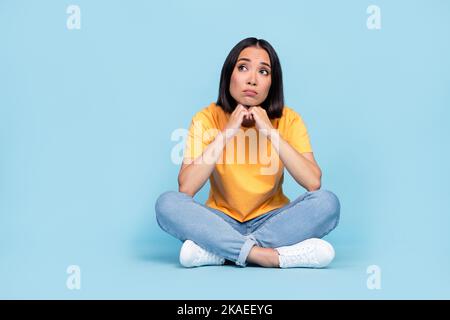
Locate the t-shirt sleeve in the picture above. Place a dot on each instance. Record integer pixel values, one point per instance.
(200, 134)
(297, 134)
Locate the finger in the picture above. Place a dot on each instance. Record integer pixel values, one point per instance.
(242, 114)
(238, 110)
(243, 110)
(255, 109)
(256, 116)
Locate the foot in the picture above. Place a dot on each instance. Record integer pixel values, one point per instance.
(191, 255)
(310, 253)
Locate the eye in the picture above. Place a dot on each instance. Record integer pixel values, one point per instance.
(266, 72)
(241, 66)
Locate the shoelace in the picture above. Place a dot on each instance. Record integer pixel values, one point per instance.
(306, 255)
(207, 256)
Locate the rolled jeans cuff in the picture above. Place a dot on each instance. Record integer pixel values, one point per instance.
(245, 250)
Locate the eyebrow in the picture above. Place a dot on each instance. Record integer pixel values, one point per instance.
(247, 59)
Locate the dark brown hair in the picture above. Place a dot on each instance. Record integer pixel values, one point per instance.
(275, 99)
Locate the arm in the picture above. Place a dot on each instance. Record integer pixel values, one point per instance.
(302, 167)
(193, 174)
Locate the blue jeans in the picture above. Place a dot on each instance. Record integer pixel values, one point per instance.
(312, 215)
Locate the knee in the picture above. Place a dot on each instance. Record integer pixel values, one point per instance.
(166, 205)
(329, 204)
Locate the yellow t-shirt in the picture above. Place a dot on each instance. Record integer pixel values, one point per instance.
(247, 179)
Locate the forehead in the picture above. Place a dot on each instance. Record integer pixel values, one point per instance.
(255, 54)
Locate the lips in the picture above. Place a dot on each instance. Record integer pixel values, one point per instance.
(250, 93)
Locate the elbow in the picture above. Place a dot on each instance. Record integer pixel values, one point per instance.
(317, 183)
(183, 189)
(181, 185)
(314, 186)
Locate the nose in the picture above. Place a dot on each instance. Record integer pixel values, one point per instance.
(251, 79)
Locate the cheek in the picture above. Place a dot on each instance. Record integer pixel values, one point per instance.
(234, 79)
(234, 82)
(267, 85)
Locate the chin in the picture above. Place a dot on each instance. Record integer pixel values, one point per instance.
(250, 103)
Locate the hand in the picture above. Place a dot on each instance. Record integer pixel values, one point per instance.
(237, 117)
(262, 121)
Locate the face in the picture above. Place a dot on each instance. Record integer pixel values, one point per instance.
(251, 78)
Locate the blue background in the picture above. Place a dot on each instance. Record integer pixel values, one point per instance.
(86, 118)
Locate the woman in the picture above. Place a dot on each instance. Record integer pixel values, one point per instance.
(241, 144)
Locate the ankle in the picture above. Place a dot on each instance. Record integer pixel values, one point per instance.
(265, 257)
(271, 258)
(275, 259)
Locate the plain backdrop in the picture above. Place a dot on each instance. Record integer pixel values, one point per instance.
(86, 118)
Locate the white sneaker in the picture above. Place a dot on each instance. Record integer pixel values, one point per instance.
(191, 255)
(310, 253)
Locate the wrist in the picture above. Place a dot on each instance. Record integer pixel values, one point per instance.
(228, 133)
(272, 134)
